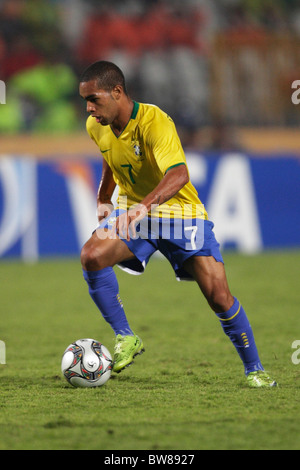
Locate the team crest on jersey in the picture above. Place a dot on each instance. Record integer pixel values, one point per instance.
(137, 150)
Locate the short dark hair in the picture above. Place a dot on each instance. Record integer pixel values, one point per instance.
(107, 74)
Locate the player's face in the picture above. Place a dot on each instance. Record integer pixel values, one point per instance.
(101, 104)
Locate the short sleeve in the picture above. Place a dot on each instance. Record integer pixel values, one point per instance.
(165, 143)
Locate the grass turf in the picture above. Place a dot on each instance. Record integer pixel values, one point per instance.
(186, 392)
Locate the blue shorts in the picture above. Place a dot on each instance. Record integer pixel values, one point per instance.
(176, 239)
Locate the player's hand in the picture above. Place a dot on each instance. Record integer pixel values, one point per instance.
(126, 223)
(104, 210)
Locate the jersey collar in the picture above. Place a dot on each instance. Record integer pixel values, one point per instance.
(135, 110)
(133, 116)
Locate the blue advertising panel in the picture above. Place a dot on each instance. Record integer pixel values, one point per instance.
(48, 208)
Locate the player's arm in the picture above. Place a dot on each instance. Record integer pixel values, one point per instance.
(106, 188)
(174, 180)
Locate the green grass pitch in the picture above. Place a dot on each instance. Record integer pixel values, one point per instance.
(186, 392)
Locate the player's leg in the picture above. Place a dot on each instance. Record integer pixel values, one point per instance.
(98, 256)
(211, 278)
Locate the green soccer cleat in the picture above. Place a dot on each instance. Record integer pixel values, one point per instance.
(260, 379)
(126, 348)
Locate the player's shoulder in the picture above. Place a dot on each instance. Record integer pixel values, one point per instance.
(151, 114)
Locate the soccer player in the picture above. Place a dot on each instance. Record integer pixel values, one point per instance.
(158, 209)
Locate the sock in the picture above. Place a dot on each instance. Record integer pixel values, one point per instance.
(237, 327)
(104, 290)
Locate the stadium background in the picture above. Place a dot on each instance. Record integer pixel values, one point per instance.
(222, 69)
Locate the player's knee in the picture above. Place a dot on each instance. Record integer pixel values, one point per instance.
(90, 257)
(87, 256)
(220, 300)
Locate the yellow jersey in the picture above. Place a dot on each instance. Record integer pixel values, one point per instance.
(140, 157)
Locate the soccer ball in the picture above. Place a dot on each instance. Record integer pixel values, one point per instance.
(86, 363)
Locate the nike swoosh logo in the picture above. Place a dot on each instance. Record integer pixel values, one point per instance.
(103, 151)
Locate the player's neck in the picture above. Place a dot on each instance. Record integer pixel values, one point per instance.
(119, 124)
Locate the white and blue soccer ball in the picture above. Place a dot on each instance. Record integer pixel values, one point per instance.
(86, 363)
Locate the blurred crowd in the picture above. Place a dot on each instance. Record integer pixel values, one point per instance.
(163, 47)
